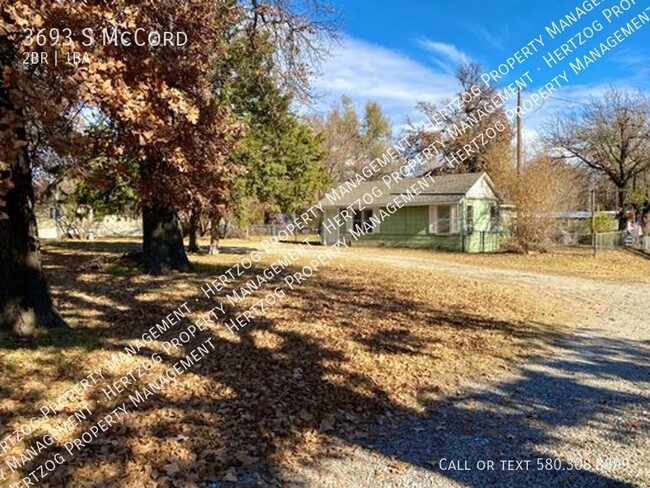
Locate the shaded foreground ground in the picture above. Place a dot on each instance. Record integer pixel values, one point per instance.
(363, 375)
(577, 417)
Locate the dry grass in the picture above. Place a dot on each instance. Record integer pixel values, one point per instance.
(357, 343)
(615, 265)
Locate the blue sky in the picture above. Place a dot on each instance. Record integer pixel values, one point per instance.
(399, 52)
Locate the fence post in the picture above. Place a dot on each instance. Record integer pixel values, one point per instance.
(594, 236)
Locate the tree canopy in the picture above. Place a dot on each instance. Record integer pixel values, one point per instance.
(153, 106)
(350, 140)
(465, 122)
(609, 135)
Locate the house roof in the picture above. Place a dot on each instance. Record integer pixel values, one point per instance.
(450, 188)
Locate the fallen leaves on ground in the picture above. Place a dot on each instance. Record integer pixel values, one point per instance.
(351, 346)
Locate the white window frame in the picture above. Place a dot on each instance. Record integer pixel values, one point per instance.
(376, 228)
(349, 222)
(453, 219)
(375, 213)
(469, 228)
(495, 220)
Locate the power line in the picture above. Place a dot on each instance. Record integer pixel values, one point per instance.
(568, 101)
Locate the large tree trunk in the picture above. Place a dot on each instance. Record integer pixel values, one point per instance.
(193, 231)
(162, 232)
(25, 300)
(214, 236)
(162, 246)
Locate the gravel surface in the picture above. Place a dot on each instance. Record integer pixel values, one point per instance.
(577, 418)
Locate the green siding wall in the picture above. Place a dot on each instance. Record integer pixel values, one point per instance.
(481, 213)
(446, 243)
(407, 221)
(482, 239)
(409, 227)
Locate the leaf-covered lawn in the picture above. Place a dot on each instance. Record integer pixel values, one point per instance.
(357, 343)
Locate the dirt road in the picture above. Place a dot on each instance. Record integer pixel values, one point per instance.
(579, 417)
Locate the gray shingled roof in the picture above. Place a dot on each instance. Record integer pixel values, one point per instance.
(445, 189)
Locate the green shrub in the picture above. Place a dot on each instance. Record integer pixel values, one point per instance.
(605, 222)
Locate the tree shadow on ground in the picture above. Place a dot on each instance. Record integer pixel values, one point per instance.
(231, 420)
(93, 247)
(520, 419)
(638, 252)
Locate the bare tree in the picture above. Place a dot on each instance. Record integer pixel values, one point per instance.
(610, 135)
(350, 141)
(473, 118)
(539, 191)
(301, 31)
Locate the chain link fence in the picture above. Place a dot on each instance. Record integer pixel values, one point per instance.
(610, 240)
(603, 240)
(275, 229)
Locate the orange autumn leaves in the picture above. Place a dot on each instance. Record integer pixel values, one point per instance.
(154, 103)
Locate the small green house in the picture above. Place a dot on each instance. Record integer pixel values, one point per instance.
(458, 212)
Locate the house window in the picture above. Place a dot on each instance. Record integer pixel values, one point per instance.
(357, 221)
(362, 222)
(443, 219)
(470, 219)
(494, 218)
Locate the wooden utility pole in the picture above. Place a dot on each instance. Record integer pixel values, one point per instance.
(520, 146)
(594, 237)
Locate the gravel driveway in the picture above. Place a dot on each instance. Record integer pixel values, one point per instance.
(580, 417)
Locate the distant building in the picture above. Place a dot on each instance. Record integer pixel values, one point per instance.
(458, 212)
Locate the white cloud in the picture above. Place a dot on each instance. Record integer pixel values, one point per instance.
(446, 56)
(369, 72)
(489, 37)
(365, 71)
